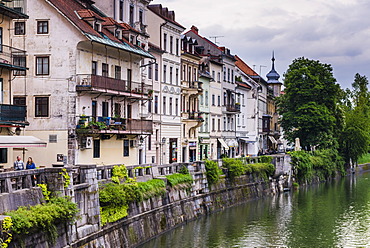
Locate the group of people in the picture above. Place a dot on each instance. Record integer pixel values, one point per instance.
(19, 165)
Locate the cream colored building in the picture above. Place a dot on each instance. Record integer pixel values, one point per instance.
(84, 89)
(165, 34)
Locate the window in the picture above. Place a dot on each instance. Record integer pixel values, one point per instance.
(132, 15)
(184, 73)
(156, 104)
(94, 67)
(19, 28)
(121, 4)
(224, 73)
(53, 138)
(213, 124)
(117, 109)
(1, 39)
(213, 100)
(105, 109)
(156, 72)
(42, 65)
(224, 123)
(164, 73)
(21, 62)
(232, 76)
(94, 109)
(42, 106)
(19, 100)
(96, 148)
(201, 99)
(164, 105)
(171, 44)
(177, 106)
(117, 72)
(42, 27)
(225, 98)
(3, 155)
(177, 47)
(149, 142)
(165, 42)
(177, 76)
(141, 15)
(219, 125)
(206, 99)
(171, 69)
(170, 105)
(228, 74)
(105, 70)
(150, 71)
(97, 27)
(129, 77)
(126, 148)
(149, 106)
(218, 100)
(213, 75)
(218, 76)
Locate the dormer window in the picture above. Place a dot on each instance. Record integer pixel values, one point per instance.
(118, 34)
(97, 26)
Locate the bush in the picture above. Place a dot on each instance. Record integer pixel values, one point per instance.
(237, 168)
(213, 172)
(177, 178)
(43, 217)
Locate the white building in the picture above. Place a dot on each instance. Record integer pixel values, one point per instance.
(84, 89)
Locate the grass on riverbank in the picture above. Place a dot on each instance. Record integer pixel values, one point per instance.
(364, 159)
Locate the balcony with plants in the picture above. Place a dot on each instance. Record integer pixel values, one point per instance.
(113, 125)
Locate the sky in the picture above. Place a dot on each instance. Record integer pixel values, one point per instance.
(335, 32)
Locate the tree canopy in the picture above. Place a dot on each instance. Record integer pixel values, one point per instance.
(309, 108)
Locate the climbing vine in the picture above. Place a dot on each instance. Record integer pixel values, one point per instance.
(6, 236)
(45, 192)
(66, 177)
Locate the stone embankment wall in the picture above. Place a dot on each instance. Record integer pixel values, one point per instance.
(146, 219)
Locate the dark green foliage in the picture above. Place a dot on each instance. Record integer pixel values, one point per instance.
(213, 172)
(43, 217)
(322, 163)
(177, 178)
(184, 170)
(266, 159)
(309, 106)
(236, 168)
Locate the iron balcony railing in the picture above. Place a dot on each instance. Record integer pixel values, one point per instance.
(12, 56)
(233, 107)
(13, 113)
(85, 82)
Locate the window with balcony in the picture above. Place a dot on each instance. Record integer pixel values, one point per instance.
(117, 109)
(105, 70)
(42, 27)
(117, 72)
(105, 107)
(19, 100)
(19, 28)
(42, 106)
(21, 62)
(42, 65)
(94, 67)
(126, 148)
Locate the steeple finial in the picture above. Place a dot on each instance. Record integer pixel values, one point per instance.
(273, 59)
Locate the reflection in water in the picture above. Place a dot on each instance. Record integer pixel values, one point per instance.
(335, 214)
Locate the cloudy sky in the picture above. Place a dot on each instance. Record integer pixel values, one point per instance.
(336, 32)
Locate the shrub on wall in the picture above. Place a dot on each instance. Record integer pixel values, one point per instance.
(179, 178)
(236, 168)
(213, 172)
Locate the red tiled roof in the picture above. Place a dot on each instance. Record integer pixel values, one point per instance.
(69, 9)
(155, 9)
(244, 67)
(242, 84)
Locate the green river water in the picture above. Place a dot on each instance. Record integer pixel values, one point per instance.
(333, 214)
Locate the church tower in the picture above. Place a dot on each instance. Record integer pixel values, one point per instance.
(273, 78)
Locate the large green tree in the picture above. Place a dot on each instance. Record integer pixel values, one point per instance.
(309, 108)
(355, 138)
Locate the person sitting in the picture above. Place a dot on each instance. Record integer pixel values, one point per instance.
(30, 164)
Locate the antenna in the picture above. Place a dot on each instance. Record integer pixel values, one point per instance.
(215, 37)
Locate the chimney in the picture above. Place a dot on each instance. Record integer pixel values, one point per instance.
(194, 29)
(171, 15)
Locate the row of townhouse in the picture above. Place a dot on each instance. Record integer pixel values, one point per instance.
(121, 82)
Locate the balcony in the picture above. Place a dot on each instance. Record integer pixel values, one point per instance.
(14, 9)
(112, 86)
(108, 125)
(12, 58)
(233, 107)
(192, 116)
(13, 114)
(192, 87)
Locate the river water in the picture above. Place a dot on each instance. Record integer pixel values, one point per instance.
(333, 214)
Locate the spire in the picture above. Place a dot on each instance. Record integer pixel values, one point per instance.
(273, 76)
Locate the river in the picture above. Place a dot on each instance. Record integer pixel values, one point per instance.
(333, 214)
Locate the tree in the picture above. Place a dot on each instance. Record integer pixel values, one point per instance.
(354, 140)
(309, 107)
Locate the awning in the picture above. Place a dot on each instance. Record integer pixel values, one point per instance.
(247, 140)
(21, 141)
(232, 143)
(273, 140)
(223, 143)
